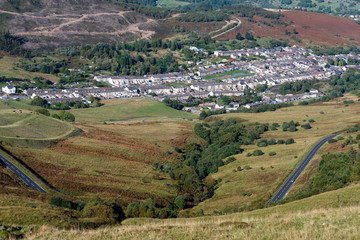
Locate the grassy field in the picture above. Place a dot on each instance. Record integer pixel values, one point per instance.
(317, 217)
(224, 74)
(171, 3)
(8, 69)
(267, 173)
(125, 109)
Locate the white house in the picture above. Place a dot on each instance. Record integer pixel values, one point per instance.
(9, 89)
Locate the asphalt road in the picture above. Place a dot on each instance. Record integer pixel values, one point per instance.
(290, 182)
(23, 177)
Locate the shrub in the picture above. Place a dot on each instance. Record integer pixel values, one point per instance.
(311, 120)
(229, 160)
(292, 129)
(332, 141)
(262, 168)
(357, 137)
(43, 111)
(262, 143)
(247, 167)
(258, 152)
(177, 149)
(322, 112)
(281, 141)
(180, 202)
(289, 141)
(340, 138)
(271, 141)
(272, 153)
(239, 168)
(248, 154)
(306, 126)
(348, 101)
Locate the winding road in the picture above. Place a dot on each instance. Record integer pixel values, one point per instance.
(220, 34)
(23, 177)
(291, 180)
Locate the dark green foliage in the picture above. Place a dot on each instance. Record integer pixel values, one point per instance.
(290, 126)
(66, 116)
(43, 111)
(12, 44)
(306, 126)
(258, 152)
(248, 154)
(262, 108)
(230, 160)
(298, 86)
(38, 101)
(271, 141)
(355, 128)
(272, 153)
(348, 101)
(180, 202)
(262, 143)
(334, 171)
(281, 141)
(311, 120)
(247, 167)
(289, 141)
(173, 104)
(60, 202)
(205, 114)
(148, 209)
(332, 141)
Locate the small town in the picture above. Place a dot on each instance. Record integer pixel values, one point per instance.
(235, 72)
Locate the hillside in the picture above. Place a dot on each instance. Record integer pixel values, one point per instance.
(113, 157)
(310, 28)
(318, 217)
(66, 23)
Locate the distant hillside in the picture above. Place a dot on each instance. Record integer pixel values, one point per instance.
(73, 22)
(305, 26)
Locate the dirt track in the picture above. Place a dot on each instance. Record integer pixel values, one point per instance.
(70, 20)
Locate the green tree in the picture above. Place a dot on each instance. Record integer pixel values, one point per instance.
(180, 202)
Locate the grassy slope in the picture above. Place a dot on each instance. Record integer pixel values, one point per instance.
(8, 69)
(124, 109)
(112, 160)
(28, 125)
(318, 217)
(263, 183)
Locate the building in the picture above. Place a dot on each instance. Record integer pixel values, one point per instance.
(9, 89)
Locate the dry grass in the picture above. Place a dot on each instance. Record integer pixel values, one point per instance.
(318, 217)
(262, 184)
(111, 161)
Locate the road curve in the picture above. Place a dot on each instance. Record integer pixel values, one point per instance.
(23, 177)
(291, 180)
(220, 34)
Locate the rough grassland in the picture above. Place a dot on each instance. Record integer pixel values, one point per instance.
(8, 69)
(318, 217)
(124, 109)
(111, 160)
(23, 124)
(262, 184)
